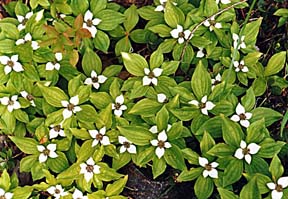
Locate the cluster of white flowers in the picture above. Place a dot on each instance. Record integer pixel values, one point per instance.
(90, 23)
(55, 131)
(27, 38)
(99, 137)
(204, 105)
(161, 141)
(181, 35)
(23, 19)
(277, 188)
(12, 104)
(57, 191)
(242, 116)
(95, 80)
(55, 64)
(210, 168)
(11, 63)
(5, 195)
(46, 152)
(89, 169)
(119, 106)
(211, 24)
(246, 151)
(70, 107)
(151, 76)
(126, 145)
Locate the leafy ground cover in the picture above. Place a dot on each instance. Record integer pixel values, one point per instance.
(142, 99)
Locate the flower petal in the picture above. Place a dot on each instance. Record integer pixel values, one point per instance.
(214, 164)
(194, 102)
(276, 195)
(161, 97)
(40, 148)
(245, 69)
(95, 142)
(205, 173)
(204, 111)
(93, 133)
(101, 79)
(248, 115)
(187, 34)
(146, 81)
(200, 54)
(147, 71)
(74, 100)
(52, 154)
(154, 142)
(66, 113)
(167, 145)
(239, 154)
(90, 161)
(271, 185)
(181, 40)
(42, 158)
(122, 139)
(88, 176)
(49, 66)
(51, 190)
(153, 129)
(154, 81)
(96, 21)
(218, 25)
(235, 118)
(157, 71)
(96, 169)
(122, 149)
(132, 149)
(102, 131)
(88, 81)
(245, 123)
(4, 100)
(92, 30)
(243, 144)
(105, 140)
(206, 23)
(159, 152)
(174, 33)
(88, 15)
(253, 148)
(52, 147)
(53, 134)
(248, 158)
(210, 105)
(159, 8)
(8, 195)
(18, 67)
(118, 112)
(213, 173)
(202, 161)
(2, 192)
(204, 99)
(162, 136)
(283, 181)
(77, 109)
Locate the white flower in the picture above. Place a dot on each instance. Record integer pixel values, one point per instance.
(126, 145)
(95, 80)
(119, 107)
(55, 64)
(23, 19)
(211, 23)
(12, 104)
(240, 67)
(236, 40)
(223, 1)
(204, 105)
(162, 5)
(29, 97)
(178, 33)
(200, 52)
(209, 168)
(244, 151)
(89, 169)
(151, 76)
(99, 136)
(154, 129)
(242, 116)
(162, 98)
(216, 81)
(90, 23)
(27, 38)
(11, 64)
(277, 192)
(78, 195)
(57, 191)
(161, 144)
(46, 152)
(5, 195)
(55, 131)
(71, 107)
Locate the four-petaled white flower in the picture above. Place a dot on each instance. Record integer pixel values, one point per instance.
(241, 116)
(223, 1)
(178, 33)
(209, 168)
(162, 5)
(211, 23)
(55, 131)
(11, 64)
(161, 144)
(278, 187)
(99, 136)
(204, 105)
(5, 195)
(29, 97)
(46, 152)
(200, 52)
(246, 151)
(57, 191)
(119, 106)
(162, 98)
(55, 64)
(90, 23)
(151, 76)
(126, 145)
(78, 195)
(89, 169)
(12, 104)
(95, 80)
(216, 80)
(28, 37)
(23, 19)
(236, 40)
(70, 107)
(240, 66)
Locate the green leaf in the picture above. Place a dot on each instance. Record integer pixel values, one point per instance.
(158, 167)
(87, 114)
(259, 86)
(232, 172)
(206, 143)
(232, 133)
(80, 133)
(26, 145)
(145, 107)
(256, 132)
(85, 151)
(110, 19)
(173, 16)
(189, 175)
(22, 192)
(134, 63)
(91, 61)
(250, 190)
(97, 5)
(174, 157)
(268, 114)
(156, 59)
(162, 118)
(79, 7)
(251, 31)
(275, 64)
(58, 164)
(225, 194)
(28, 162)
(124, 158)
(170, 67)
(5, 180)
(117, 187)
(203, 187)
(269, 148)
(221, 150)
(136, 134)
(276, 168)
(7, 46)
(101, 41)
(201, 81)
(132, 18)
(53, 95)
(100, 99)
(185, 113)
(248, 101)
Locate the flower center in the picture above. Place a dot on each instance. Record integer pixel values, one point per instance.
(10, 63)
(241, 66)
(217, 82)
(151, 74)
(57, 128)
(181, 34)
(10, 102)
(202, 105)
(57, 191)
(90, 168)
(24, 21)
(2, 197)
(117, 106)
(89, 23)
(212, 22)
(30, 97)
(99, 136)
(46, 152)
(126, 145)
(245, 151)
(208, 167)
(279, 188)
(70, 107)
(94, 79)
(242, 116)
(161, 144)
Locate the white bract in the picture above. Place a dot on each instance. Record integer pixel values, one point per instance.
(216, 80)
(89, 169)
(277, 188)
(55, 131)
(181, 35)
(161, 144)
(126, 145)
(11, 64)
(119, 106)
(246, 151)
(211, 23)
(242, 116)
(57, 191)
(154, 129)
(12, 104)
(27, 38)
(236, 40)
(223, 1)
(99, 136)
(240, 66)
(46, 152)
(78, 195)
(162, 98)
(151, 76)
(200, 52)
(95, 80)
(90, 23)
(23, 19)
(204, 105)
(29, 97)
(5, 195)
(209, 168)
(55, 64)
(162, 5)
(70, 107)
